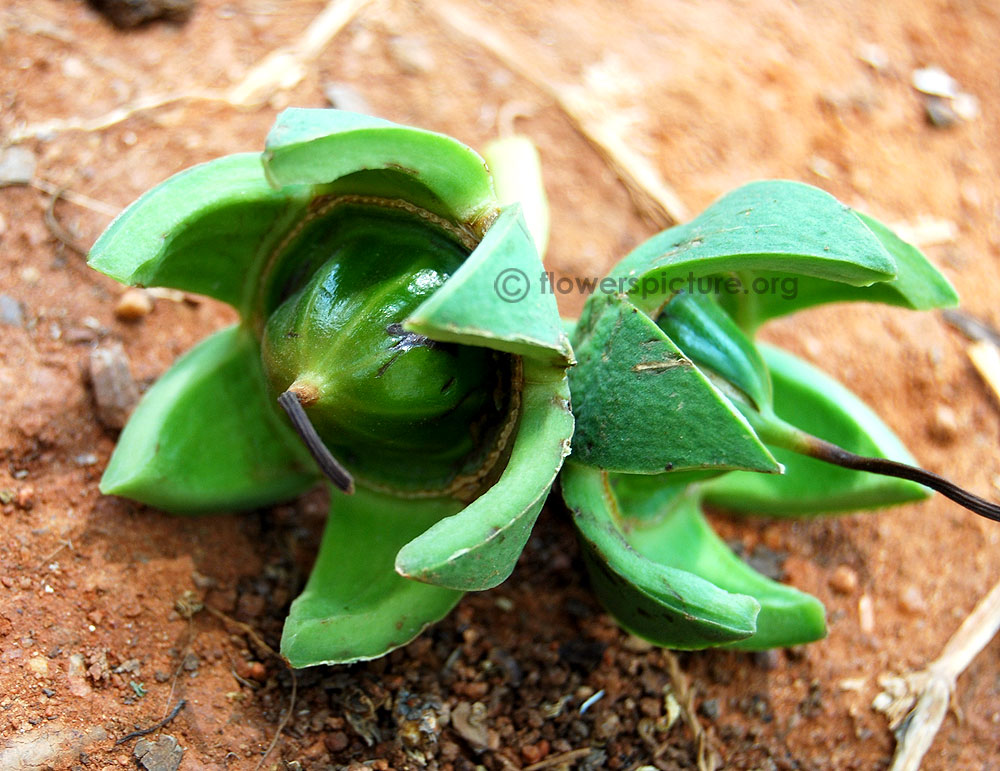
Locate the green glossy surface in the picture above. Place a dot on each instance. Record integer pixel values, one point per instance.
(206, 438)
(682, 538)
(661, 603)
(496, 299)
(346, 247)
(479, 547)
(316, 146)
(711, 339)
(207, 229)
(397, 408)
(917, 285)
(641, 406)
(776, 226)
(355, 606)
(810, 399)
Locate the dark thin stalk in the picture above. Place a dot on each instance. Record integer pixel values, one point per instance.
(831, 453)
(329, 465)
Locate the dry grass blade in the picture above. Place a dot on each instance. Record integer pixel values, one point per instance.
(708, 757)
(917, 703)
(280, 70)
(985, 357)
(653, 197)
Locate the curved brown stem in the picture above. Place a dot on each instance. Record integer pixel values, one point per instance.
(831, 453)
(329, 465)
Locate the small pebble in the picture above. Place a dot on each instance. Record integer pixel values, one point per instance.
(11, 312)
(768, 660)
(336, 741)
(134, 304)
(944, 427)
(934, 81)
(252, 670)
(160, 754)
(912, 601)
(25, 497)
(866, 614)
(115, 390)
(532, 753)
(844, 580)
(17, 166)
(709, 708)
(133, 13)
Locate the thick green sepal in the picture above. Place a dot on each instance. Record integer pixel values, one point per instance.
(355, 607)
(479, 547)
(918, 285)
(777, 226)
(497, 299)
(670, 607)
(642, 406)
(811, 400)
(205, 438)
(204, 230)
(317, 146)
(683, 539)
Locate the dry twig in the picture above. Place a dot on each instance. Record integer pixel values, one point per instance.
(708, 757)
(280, 70)
(917, 702)
(652, 195)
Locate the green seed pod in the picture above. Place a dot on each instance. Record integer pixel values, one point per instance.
(373, 349)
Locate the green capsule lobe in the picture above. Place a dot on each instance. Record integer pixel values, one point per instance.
(398, 409)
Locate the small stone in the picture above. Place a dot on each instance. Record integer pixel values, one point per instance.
(944, 427)
(467, 720)
(17, 166)
(532, 753)
(25, 497)
(76, 676)
(844, 580)
(115, 391)
(252, 670)
(940, 112)
(133, 13)
(191, 662)
(160, 754)
(38, 666)
(912, 601)
(133, 305)
(768, 660)
(11, 312)
(336, 741)
(709, 708)
(866, 614)
(345, 97)
(934, 81)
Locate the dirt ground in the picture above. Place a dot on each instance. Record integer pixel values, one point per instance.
(713, 94)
